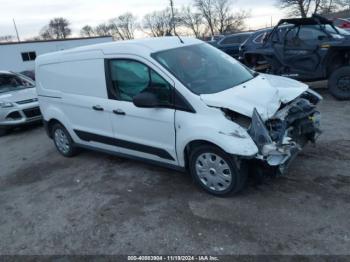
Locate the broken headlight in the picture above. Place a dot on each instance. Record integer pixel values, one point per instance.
(239, 119)
(258, 131)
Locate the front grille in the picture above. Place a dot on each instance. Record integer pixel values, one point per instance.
(14, 115)
(32, 112)
(27, 101)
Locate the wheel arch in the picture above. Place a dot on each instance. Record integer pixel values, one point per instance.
(50, 125)
(229, 144)
(195, 143)
(335, 59)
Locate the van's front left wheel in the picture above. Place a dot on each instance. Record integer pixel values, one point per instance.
(63, 141)
(216, 171)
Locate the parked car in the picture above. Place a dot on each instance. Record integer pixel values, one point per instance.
(307, 49)
(213, 40)
(230, 44)
(18, 101)
(217, 37)
(342, 23)
(29, 73)
(182, 104)
(254, 41)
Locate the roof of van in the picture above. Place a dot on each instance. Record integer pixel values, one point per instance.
(3, 72)
(141, 47)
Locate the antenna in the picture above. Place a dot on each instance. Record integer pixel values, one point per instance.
(172, 21)
(14, 23)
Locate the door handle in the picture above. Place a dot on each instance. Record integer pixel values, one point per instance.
(98, 108)
(118, 112)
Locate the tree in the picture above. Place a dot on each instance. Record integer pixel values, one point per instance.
(87, 31)
(206, 8)
(158, 23)
(58, 28)
(305, 8)
(225, 20)
(7, 38)
(328, 6)
(103, 30)
(219, 17)
(191, 20)
(124, 26)
(343, 4)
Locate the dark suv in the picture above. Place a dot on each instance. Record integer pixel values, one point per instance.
(307, 49)
(230, 43)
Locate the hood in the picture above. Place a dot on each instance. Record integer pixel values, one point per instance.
(264, 92)
(19, 95)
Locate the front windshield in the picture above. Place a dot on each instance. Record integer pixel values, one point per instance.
(9, 82)
(203, 69)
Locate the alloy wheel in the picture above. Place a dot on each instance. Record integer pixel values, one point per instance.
(61, 141)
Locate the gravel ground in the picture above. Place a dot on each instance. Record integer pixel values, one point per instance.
(100, 204)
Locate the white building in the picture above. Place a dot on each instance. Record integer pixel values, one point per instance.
(20, 56)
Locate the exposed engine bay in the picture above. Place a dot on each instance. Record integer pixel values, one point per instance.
(281, 137)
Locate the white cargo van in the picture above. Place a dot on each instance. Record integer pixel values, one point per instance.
(182, 104)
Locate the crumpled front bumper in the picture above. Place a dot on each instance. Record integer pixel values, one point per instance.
(281, 152)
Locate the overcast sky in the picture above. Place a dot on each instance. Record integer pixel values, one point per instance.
(32, 15)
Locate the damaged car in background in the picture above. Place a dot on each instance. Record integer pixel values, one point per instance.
(176, 102)
(306, 49)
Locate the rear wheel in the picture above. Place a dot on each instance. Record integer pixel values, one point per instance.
(63, 141)
(216, 171)
(339, 83)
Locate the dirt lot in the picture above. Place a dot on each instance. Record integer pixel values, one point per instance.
(100, 204)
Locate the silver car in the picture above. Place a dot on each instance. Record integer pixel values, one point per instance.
(18, 101)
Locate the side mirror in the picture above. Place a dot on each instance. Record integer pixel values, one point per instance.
(146, 99)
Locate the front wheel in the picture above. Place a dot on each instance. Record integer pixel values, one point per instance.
(216, 171)
(339, 83)
(63, 141)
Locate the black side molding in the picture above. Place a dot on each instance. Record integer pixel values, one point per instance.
(57, 97)
(86, 136)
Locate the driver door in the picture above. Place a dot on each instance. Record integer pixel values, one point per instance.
(299, 50)
(141, 132)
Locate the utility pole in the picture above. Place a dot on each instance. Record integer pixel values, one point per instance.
(14, 23)
(172, 16)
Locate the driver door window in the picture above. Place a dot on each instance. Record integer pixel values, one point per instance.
(129, 78)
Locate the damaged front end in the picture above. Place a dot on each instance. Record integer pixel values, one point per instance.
(281, 138)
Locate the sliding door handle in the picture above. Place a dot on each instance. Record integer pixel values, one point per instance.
(118, 112)
(98, 108)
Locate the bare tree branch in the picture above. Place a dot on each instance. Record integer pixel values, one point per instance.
(58, 28)
(191, 20)
(87, 31)
(158, 23)
(206, 8)
(124, 25)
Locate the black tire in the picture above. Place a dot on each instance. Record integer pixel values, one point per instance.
(3, 131)
(339, 83)
(69, 149)
(230, 186)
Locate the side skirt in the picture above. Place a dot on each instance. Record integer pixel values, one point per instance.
(123, 155)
